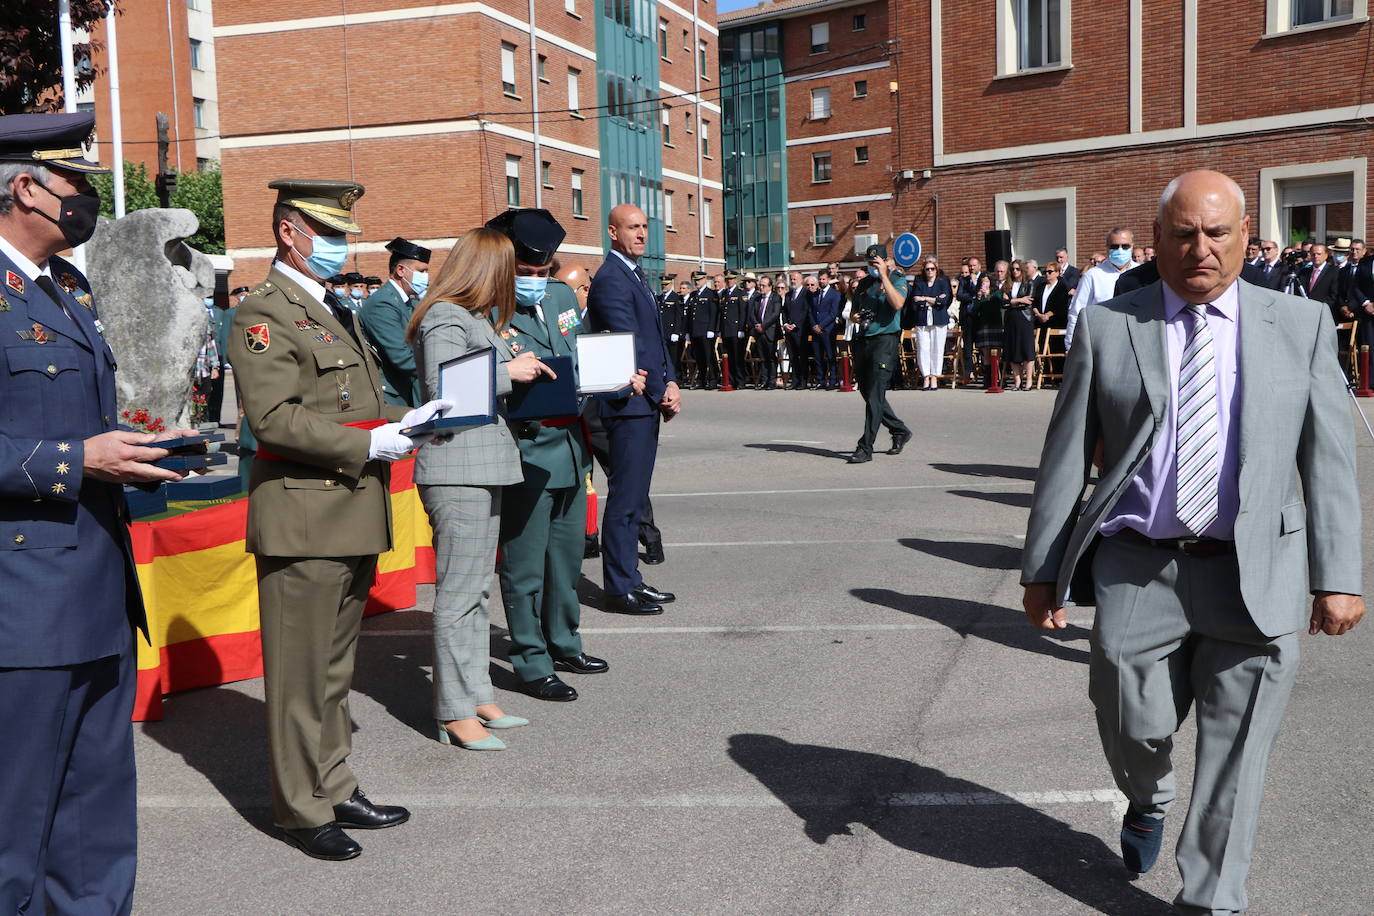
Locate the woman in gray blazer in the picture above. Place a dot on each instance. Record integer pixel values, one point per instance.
(460, 481)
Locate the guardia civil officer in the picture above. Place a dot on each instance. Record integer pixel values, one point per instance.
(734, 327)
(319, 509)
(386, 313)
(67, 657)
(877, 314)
(703, 318)
(543, 518)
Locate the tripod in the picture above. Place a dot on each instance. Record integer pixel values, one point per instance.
(1350, 389)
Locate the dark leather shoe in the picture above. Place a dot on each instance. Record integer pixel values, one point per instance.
(550, 688)
(592, 549)
(630, 604)
(582, 664)
(899, 441)
(858, 458)
(652, 595)
(361, 814)
(327, 842)
(653, 553)
(1141, 839)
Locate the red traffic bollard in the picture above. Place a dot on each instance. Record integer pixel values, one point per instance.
(725, 374)
(995, 372)
(1365, 391)
(846, 385)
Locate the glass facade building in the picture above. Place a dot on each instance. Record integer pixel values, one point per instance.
(753, 140)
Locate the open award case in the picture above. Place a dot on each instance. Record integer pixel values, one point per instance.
(545, 398)
(469, 381)
(605, 364)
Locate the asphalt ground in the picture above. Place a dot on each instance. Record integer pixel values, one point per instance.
(843, 712)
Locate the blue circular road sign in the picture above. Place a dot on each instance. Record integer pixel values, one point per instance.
(906, 249)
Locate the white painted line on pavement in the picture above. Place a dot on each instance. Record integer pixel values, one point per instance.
(953, 485)
(1011, 621)
(781, 543)
(902, 800)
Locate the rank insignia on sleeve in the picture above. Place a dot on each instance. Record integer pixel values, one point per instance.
(14, 281)
(257, 338)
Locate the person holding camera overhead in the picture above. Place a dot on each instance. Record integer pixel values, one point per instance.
(877, 317)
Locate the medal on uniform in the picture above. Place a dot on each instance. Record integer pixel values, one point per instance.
(567, 321)
(344, 396)
(39, 334)
(14, 281)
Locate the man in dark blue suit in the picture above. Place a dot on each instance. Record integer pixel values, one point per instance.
(67, 658)
(620, 300)
(825, 318)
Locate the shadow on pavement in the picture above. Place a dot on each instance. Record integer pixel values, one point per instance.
(830, 789)
(984, 621)
(798, 449)
(1016, 500)
(1008, 471)
(970, 553)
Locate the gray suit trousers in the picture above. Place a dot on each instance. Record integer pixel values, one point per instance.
(466, 523)
(1172, 632)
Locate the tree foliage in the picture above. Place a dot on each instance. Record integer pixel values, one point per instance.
(31, 56)
(200, 192)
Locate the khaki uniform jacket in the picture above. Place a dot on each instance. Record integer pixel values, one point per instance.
(301, 377)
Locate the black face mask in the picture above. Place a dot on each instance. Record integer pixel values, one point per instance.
(76, 216)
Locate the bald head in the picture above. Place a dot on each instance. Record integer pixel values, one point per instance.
(1200, 234)
(575, 275)
(629, 230)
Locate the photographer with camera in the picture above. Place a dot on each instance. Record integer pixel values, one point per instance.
(876, 314)
(1295, 262)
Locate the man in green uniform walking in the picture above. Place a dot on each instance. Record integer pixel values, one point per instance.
(877, 312)
(385, 314)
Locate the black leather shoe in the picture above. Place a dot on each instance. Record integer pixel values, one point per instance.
(630, 604)
(899, 441)
(1141, 839)
(361, 814)
(592, 549)
(582, 664)
(550, 688)
(653, 553)
(858, 458)
(652, 595)
(327, 842)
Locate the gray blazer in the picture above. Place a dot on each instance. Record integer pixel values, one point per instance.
(1299, 520)
(480, 455)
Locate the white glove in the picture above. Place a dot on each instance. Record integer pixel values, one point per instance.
(388, 444)
(739, 333)
(710, 334)
(425, 412)
(674, 338)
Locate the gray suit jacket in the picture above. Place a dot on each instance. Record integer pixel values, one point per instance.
(481, 455)
(1296, 444)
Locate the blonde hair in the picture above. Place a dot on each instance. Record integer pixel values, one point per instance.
(478, 275)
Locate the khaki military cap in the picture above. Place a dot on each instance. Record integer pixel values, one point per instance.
(329, 202)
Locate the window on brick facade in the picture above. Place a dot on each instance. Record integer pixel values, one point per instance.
(705, 138)
(512, 181)
(823, 230)
(574, 93)
(1307, 12)
(546, 174)
(198, 107)
(820, 103)
(196, 63)
(663, 38)
(577, 193)
(691, 204)
(667, 126)
(820, 167)
(686, 40)
(820, 37)
(570, 6)
(702, 59)
(192, 4)
(861, 89)
(861, 218)
(706, 216)
(860, 155)
(543, 65)
(860, 22)
(687, 121)
(1039, 33)
(508, 68)
(668, 209)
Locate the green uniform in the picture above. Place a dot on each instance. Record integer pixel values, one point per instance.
(384, 316)
(876, 353)
(543, 518)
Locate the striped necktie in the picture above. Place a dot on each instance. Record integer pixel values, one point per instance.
(1197, 449)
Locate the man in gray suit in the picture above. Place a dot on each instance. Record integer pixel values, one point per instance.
(1214, 409)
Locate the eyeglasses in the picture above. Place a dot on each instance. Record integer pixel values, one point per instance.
(1051, 270)
(1124, 246)
(1266, 248)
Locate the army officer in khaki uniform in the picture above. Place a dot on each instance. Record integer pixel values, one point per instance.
(319, 509)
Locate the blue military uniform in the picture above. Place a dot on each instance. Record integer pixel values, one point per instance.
(67, 666)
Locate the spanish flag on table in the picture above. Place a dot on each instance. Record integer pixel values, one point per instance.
(200, 590)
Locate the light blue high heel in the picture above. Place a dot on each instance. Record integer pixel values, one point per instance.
(489, 743)
(506, 722)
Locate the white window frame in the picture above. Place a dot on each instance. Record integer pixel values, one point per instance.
(816, 160)
(1278, 18)
(691, 208)
(546, 174)
(859, 22)
(1008, 41)
(570, 7)
(828, 110)
(667, 209)
(1002, 204)
(861, 83)
(704, 59)
(508, 69)
(706, 217)
(1270, 213)
(663, 38)
(198, 110)
(820, 37)
(512, 171)
(197, 54)
(816, 229)
(868, 154)
(578, 202)
(667, 131)
(574, 90)
(705, 138)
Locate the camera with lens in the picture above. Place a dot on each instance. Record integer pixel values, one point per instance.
(863, 318)
(1295, 258)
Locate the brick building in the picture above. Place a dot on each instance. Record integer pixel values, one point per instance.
(448, 114)
(810, 144)
(1059, 121)
(167, 65)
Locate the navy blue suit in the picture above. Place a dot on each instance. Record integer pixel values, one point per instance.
(620, 301)
(827, 313)
(67, 667)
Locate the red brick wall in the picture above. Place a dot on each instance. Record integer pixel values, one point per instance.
(1161, 71)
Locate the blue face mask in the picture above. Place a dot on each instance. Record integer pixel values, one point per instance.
(328, 256)
(1340, 259)
(419, 282)
(356, 293)
(1120, 256)
(529, 291)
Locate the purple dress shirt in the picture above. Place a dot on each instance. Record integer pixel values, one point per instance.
(1149, 502)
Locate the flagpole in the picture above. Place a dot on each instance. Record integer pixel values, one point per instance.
(64, 34)
(116, 116)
